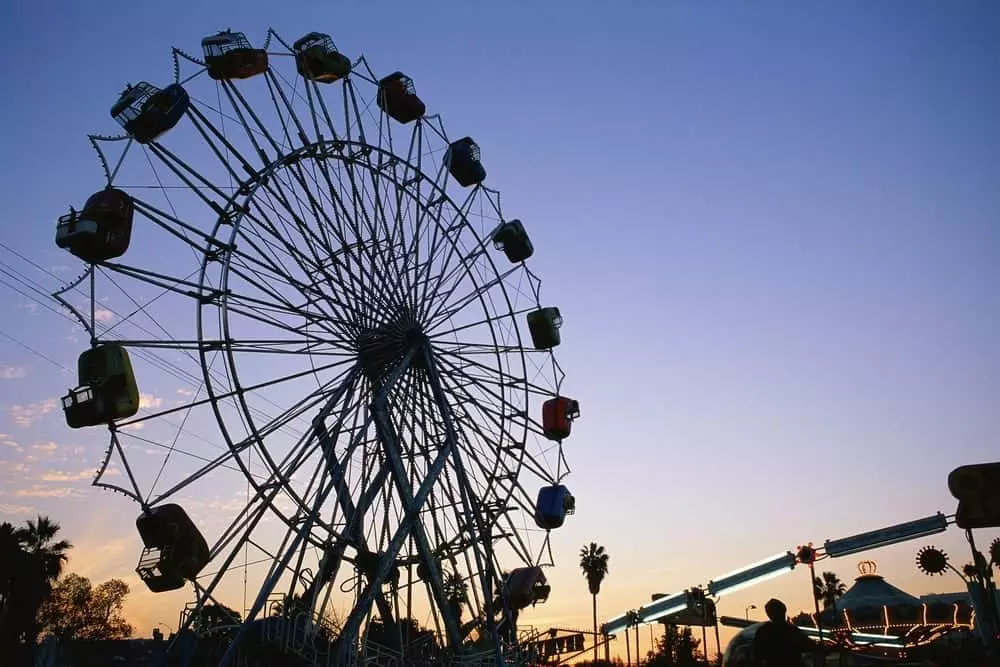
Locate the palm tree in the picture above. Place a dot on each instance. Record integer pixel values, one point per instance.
(594, 563)
(456, 593)
(38, 538)
(828, 589)
(31, 560)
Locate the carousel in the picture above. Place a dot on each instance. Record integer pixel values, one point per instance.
(893, 618)
(873, 623)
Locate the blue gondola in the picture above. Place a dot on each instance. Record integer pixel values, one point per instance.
(146, 112)
(553, 504)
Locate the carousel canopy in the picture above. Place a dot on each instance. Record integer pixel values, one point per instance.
(869, 593)
(872, 590)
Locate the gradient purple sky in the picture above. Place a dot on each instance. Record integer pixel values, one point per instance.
(773, 230)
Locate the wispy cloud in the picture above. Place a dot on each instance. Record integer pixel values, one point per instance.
(10, 468)
(149, 401)
(6, 508)
(8, 372)
(40, 491)
(103, 315)
(26, 415)
(46, 446)
(60, 476)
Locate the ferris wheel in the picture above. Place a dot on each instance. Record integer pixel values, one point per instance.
(348, 383)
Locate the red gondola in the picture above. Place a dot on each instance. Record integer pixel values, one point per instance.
(102, 230)
(397, 96)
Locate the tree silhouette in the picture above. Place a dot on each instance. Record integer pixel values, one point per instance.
(594, 563)
(456, 593)
(39, 538)
(30, 560)
(828, 589)
(677, 646)
(78, 610)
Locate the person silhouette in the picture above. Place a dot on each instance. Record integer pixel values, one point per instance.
(777, 642)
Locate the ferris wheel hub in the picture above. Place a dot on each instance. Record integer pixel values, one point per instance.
(382, 348)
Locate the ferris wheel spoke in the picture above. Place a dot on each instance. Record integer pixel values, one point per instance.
(364, 247)
(490, 402)
(263, 267)
(488, 320)
(243, 110)
(317, 265)
(219, 461)
(167, 283)
(169, 223)
(194, 180)
(313, 97)
(457, 347)
(354, 200)
(267, 264)
(269, 346)
(307, 205)
(297, 455)
(391, 212)
(236, 392)
(425, 240)
(278, 304)
(496, 375)
(488, 415)
(207, 129)
(320, 319)
(368, 272)
(285, 110)
(484, 448)
(376, 226)
(442, 309)
(431, 285)
(400, 207)
(254, 313)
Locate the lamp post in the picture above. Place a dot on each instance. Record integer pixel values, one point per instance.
(747, 610)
